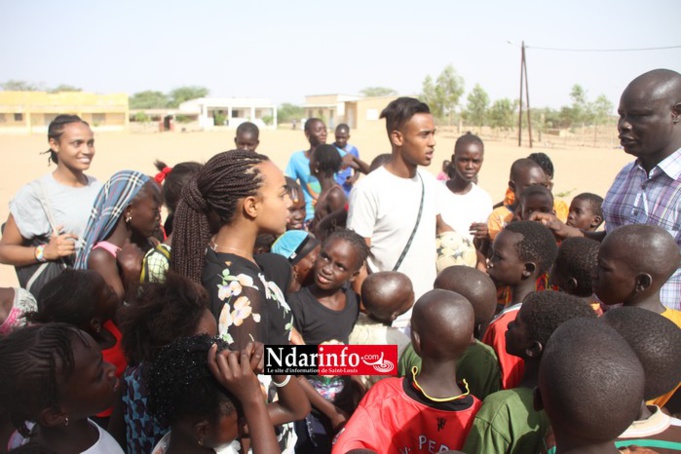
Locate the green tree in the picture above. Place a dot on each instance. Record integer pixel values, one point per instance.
(502, 113)
(369, 92)
(182, 94)
(64, 87)
(19, 85)
(477, 108)
(148, 99)
(602, 109)
(288, 112)
(442, 96)
(579, 110)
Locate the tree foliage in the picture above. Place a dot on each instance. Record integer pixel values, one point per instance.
(20, 85)
(288, 112)
(443, 94)
(369, 92)
(502, 113)
(64, 87)
(187, 93)
(477, 109)
(148, 99)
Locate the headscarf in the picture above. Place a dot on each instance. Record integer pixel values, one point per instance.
(113, 198)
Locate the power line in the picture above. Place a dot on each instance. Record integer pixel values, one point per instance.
(603, 50)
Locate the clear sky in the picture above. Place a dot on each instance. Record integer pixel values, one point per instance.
(285, 50)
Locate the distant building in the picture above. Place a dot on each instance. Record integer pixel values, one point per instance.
(356, 111)
(231, 111)
(32, 111)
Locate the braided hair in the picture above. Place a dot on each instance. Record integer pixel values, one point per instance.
(356, 241)
(214, 190)
(180, 383)
(56, 129)
(34, 361)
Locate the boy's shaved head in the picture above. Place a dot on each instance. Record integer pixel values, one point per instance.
(474, 285)
(520, 166)
(590, 381)
(387, 294)
(571, 272)
(538, 244)
(442, 324)
(646, 249)
(657, 343)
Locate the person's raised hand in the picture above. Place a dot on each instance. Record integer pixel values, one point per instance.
(479, 230)
(559, 229)
(233, 371)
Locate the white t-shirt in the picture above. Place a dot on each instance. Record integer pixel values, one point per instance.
(459, 211)
(71, 207)
(384, 208)
(105, 444)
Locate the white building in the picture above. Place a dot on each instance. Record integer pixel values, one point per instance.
(231, 111)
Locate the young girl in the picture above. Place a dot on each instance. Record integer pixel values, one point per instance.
(157, 261)
(202, 390)
(248, 196)
(164, 312)
(54, 376)
(325, 162)
(125, 215)
(296, 220)
(83, 299)
(67, 193)
(326, 312)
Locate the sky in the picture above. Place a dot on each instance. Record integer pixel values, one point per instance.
(285, 50)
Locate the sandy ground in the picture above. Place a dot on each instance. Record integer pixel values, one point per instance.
(578, 169)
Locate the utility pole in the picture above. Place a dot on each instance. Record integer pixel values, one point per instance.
(523, 81)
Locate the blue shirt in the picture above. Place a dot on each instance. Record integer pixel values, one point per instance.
(344, 174)
(298, 168)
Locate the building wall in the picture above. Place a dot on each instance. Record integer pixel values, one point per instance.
(32, 111)
(367, 112)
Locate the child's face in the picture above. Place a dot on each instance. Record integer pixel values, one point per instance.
(145, 209)
(92, 387)
(107, 302)
(246, 141)
(581, 215)
(304, 267)
(297, 212)
(342, 137)
(224, 432)
(528, 177)
(417, 140)
(517, 339)
(535, 203)
(468, 161)
(505, 266)
(558, 277)
(336, 264)
(316, 134)
(613, 280)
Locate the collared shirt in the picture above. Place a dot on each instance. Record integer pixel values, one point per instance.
(638, 197)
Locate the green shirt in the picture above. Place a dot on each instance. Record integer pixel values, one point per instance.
(507, 423)
(478, 366)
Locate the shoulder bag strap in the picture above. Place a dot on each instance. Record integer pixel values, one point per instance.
(416, 226)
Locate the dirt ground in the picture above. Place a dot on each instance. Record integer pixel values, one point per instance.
(578, 169)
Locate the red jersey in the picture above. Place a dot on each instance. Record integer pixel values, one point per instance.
(115, 356)
(512, 367)
(394, 417)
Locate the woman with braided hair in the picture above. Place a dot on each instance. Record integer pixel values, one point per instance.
(237, 196)
(241, 194)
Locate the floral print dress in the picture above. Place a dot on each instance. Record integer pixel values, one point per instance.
(250, 306)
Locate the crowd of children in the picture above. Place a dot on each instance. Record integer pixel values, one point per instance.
(144, 336)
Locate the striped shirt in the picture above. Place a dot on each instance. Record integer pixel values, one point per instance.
(637, 197)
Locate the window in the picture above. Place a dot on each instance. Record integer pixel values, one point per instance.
(98, 119)
(18, 117)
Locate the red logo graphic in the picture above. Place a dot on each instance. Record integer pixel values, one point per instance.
(357, 359)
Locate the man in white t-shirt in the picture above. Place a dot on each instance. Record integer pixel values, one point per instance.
(384, 206)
